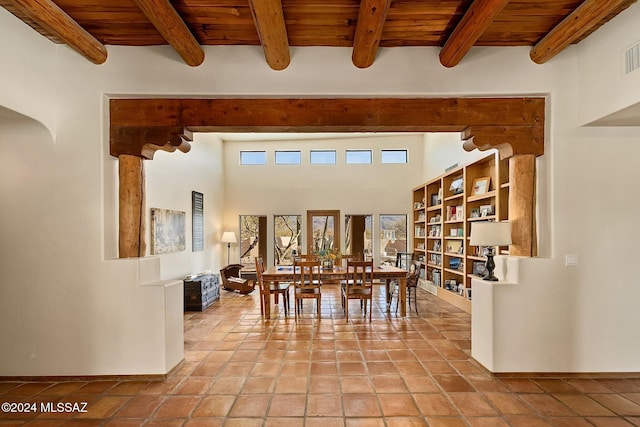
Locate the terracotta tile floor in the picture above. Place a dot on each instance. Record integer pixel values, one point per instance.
(242, 371)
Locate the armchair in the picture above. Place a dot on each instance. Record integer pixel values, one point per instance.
(232, 281)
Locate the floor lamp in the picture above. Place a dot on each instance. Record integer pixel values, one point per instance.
(490, 235)
(228, 237)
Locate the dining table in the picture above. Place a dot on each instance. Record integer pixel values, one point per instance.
(385, 273)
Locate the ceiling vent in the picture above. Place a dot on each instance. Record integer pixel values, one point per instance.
(632, 58)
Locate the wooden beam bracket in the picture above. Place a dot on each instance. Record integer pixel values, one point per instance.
(508, 140)
(143, 141)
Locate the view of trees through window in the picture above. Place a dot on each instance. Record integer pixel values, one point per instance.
(252, 236)
(287, 238)
(393, 237)
(358, 238)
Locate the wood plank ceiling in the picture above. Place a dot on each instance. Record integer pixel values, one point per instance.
(87, 26)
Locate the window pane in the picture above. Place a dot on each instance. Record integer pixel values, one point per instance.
(393, 237)
(251, 239)
(288, 238)
(287, 157)
(323, 157)
(394, 156)
(253, 158)
(358, 156)
(359, 235)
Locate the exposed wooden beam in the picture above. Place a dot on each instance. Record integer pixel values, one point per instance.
(53, 19)
(512, 125)
(579, 22)
(473, 24)
(131, 207)
(522, 178)
(174, 30)
(371, 18)
(268, 17)
(327, 115)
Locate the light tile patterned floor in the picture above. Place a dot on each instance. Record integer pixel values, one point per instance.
(242, 371)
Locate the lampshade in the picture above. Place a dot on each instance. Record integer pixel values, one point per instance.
(487, 233)
(228, 237)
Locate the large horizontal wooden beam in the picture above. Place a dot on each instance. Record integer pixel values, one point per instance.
(579, 22)
(328, 114)
(174, 30)
(512, 125)
(371, 18)
(56, 21)
(268, 17)
(473, 24)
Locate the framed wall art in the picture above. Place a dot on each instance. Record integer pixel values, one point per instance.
(197, 221)
(167, 231)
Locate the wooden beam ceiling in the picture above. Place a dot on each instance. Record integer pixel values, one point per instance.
(269, 20)
(371, 18)
(474, 23)
(363, 25)
(168, 23)
(580, 21)
(55, 20)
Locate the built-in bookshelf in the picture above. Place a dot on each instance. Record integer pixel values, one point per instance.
(443, 211)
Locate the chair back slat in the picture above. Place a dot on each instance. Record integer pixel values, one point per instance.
(359, 273)
(259, 271)
(306, 274)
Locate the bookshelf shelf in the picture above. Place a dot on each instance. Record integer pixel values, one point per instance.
(446, 207)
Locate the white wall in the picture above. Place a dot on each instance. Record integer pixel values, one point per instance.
(369, 189)
(59, 194)
(171, 177)
(600, 61)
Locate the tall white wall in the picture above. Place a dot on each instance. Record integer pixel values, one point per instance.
(362, 189)
(172, 177)
(59, 193)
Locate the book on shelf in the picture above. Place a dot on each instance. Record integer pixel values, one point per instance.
(455, 213)
(454, 246)
(436, 277)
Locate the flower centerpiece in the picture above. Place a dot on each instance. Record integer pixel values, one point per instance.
(327, 257)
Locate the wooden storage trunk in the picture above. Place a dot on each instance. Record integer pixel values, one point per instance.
(200, 291)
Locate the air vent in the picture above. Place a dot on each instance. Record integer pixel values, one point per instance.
(453, 166)
(632, 58)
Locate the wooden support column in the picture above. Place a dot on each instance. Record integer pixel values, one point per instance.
(131, 242)
(522, 174)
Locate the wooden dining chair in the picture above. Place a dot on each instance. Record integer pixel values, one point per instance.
(358, 285)
(415, 271)
(268, 289)
(403, 260)
(306, 281)
(343, 259)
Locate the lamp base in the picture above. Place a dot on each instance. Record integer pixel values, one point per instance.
(490, 267)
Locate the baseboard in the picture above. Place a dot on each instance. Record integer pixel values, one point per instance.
(564, 375)
(63, 378)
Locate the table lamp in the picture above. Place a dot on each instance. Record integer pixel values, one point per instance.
(228, 237)
(490, 235)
